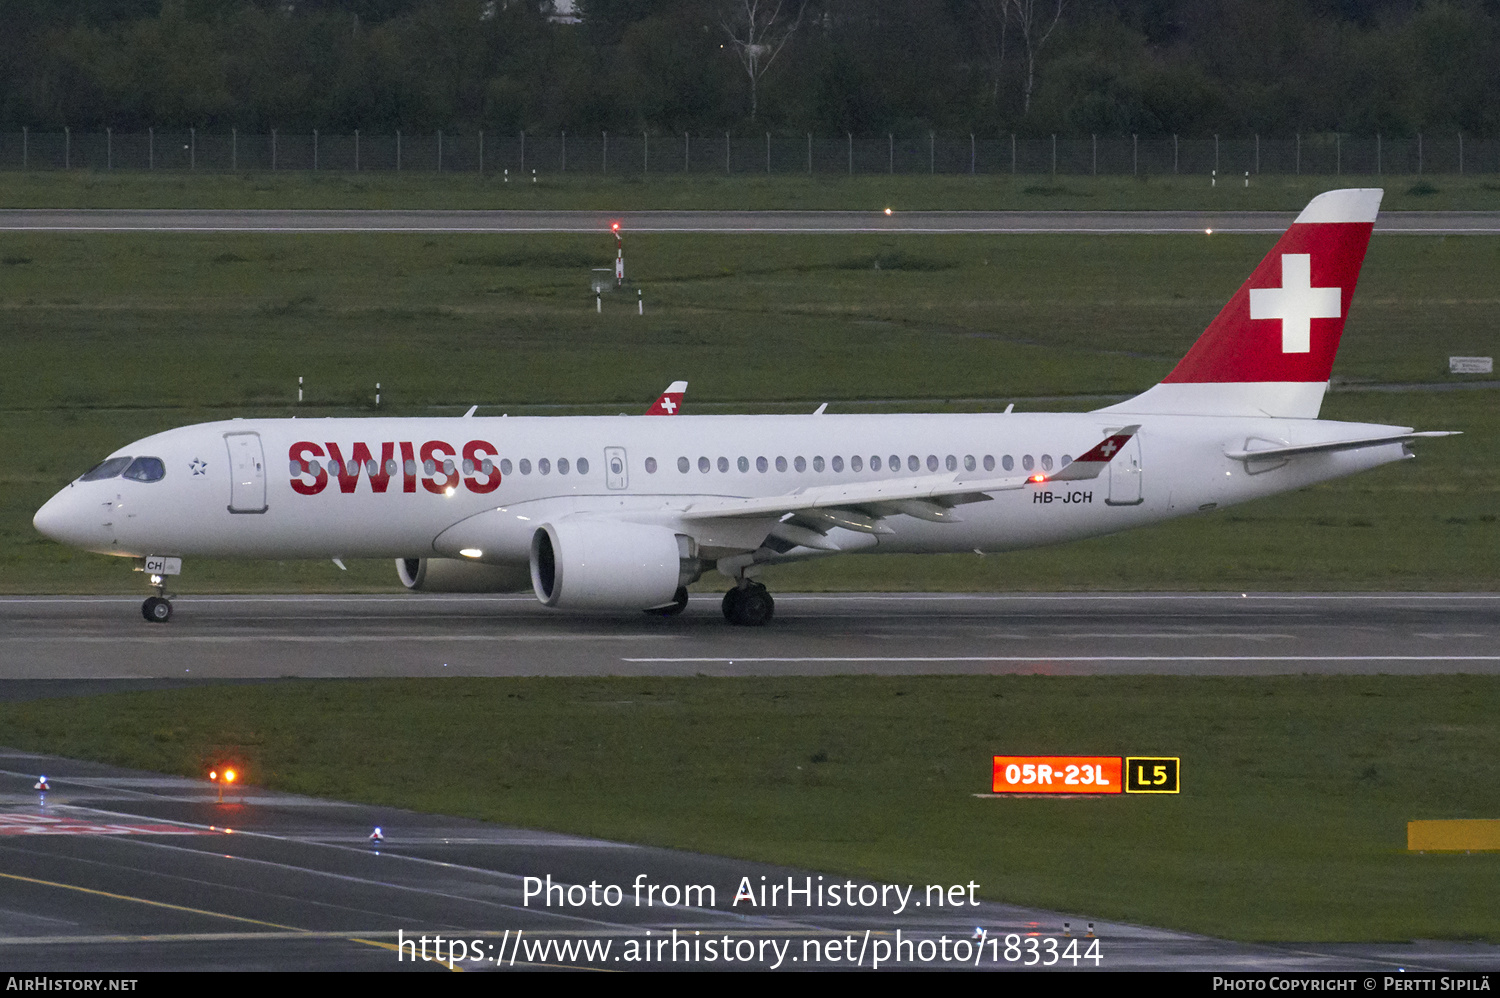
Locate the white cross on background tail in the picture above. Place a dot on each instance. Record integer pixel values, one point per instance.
(1296, 303)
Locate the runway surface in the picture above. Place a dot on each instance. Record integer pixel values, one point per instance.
(88, 639)
(935, 222)
(122, 871)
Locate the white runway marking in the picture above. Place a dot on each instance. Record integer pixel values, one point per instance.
(1076, 658)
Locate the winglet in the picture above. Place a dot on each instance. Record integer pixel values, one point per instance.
(670, 402)
(1097, 458)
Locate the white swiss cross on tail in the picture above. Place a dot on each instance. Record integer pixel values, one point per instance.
(1296, 303)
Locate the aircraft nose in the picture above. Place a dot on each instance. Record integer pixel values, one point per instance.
(63, 519)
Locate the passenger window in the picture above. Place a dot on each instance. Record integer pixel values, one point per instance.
(1065, 461)
(874, 462)
(1046, 462)
(932, 462)
(468, 467)
(838, 463)
(108, 469)
(989, 462)
(410, 467)
(1027, 462)
(392, 468)
(429, 467)
(544, 466)
(146, 469)
(951, 463)
(316, 467)
(1008, 463)
(683, 465)
(650, 465)
(505, 466)
(913, 463)
(562, 466)
(704, 465)
(448, 466)
(781, 464)
(583, 466)
(760, 464)
(856, 463)
(525, 466)
(800, 463)
(743, 464)
(968, 462)
(817, 464)
(485, 467)
(895, 464)
(723, 464)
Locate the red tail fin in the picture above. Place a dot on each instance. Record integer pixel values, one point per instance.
(1270, 350)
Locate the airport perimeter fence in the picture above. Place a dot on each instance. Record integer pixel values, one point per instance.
(519, 156)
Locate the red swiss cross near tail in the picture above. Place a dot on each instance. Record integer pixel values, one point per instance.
(670, 401)
(1284, 323)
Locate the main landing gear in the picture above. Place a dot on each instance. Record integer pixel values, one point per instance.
(748, 605)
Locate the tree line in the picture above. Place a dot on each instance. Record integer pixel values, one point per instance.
(1032, 67)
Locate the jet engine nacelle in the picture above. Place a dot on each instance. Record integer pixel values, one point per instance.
(449, 575)
(609, 565)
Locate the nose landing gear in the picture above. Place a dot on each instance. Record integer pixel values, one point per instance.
(748, 605)
(158, 609)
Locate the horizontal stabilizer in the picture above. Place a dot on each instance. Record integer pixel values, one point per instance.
(1267, 453)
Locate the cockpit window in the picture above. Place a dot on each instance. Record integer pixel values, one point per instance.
(146, 469)
(105, 469)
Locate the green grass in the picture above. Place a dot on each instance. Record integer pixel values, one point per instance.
(167, 189)
(108, 338)
(1291, 824)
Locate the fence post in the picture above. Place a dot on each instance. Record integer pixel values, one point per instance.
(315, 150)
(109, 148)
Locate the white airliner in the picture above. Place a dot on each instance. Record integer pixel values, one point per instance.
(622, 513)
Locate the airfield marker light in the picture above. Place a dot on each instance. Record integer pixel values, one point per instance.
(1208, 232)
(888, 211)
(1067, 930)
(41, 784)
(1091, 930)
(640, 303)
(299, 388)
(377, 836)
(598, 303)
(156, 580)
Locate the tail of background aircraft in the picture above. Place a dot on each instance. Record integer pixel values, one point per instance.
(1270, 351)
(670, 402)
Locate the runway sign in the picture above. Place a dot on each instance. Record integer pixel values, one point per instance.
(1146, 774)
(1057, 774)
(35, 824)
(1086, 774)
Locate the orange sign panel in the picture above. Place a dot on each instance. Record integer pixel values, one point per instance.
(1058, 774)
